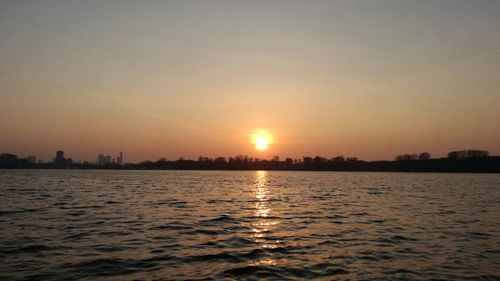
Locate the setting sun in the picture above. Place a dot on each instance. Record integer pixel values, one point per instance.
(261, 140)
(261, 143)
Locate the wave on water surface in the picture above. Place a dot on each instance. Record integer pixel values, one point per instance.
(187, 225)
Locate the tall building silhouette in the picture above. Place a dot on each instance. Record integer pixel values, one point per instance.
(60, 161)
(119, 160)
(59, 155)
(103, 159)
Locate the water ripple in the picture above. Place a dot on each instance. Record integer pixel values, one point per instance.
(185, 225)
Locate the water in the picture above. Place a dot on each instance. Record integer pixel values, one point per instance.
(176, 225)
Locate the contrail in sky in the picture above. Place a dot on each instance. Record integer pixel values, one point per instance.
(412, 78)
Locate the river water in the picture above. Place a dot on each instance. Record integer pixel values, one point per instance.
(256, 225)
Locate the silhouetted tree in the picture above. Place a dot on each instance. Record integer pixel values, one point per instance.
(307, 160)
(456, 154)
(220, 160)
(241, 158)
(471, 153)
(338, 159)
(477, 153)
(406, 157)
(424, 156)
(204, 159)
(319, 159)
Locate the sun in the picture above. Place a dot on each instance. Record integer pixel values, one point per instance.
(261, 140)
(261, 143)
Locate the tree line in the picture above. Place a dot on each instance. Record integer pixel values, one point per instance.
(457, 154)
(457, 161)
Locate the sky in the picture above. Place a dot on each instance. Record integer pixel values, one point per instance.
(370, 79)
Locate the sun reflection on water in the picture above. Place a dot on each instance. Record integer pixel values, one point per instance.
(261, 195)
(264, 223)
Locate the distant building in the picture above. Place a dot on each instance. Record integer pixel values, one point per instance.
(103, 159)
(119, 160)
(60, 161)
(7, 157)
(31, 159)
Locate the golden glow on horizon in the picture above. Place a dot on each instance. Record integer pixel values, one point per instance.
(261, 140)
(301, 72)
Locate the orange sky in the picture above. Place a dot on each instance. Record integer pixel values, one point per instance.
(174, 79)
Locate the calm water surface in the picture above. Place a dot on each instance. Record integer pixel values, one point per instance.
(176, 225)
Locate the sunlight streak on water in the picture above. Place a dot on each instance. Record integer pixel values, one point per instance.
(263, 226)
(261, 194)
